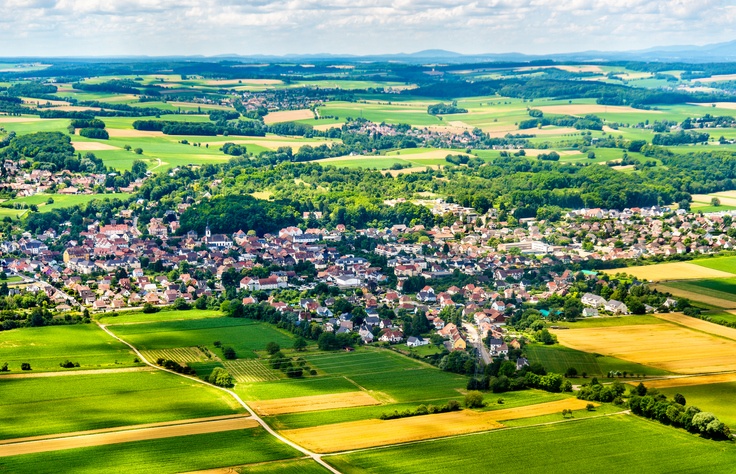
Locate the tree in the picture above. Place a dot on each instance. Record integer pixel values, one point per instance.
(572, 309)
(327, 342)
(300, 344)
(25, 366)
(221, 378)
(571, 372)
(474, 399)
(679, 398)
(201, 303)
(138, 151)
(715, 202)
(229, 353)
(272, 348)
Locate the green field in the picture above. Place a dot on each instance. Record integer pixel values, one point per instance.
(126, 317)
(46, 347)
(617, 443)
(722, 288)
(388, 375)
(242, 335)
(298, 466)
(716, 398)
(724, 264)
(610, 321)
(47, 405)
(168, 455)
(63, 200)
(558, 359)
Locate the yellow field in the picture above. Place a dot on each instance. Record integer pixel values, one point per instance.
(93, 146)
(665, 346)
(369, 433)
(699, 325)
(671, 271)
(313, 403)
(691, 295)
(288, 116)
(690, 381)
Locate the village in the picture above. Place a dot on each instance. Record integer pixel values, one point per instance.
(125, 264)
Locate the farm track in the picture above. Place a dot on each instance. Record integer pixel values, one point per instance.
(254, 416)
(147, 432)
(32, 375)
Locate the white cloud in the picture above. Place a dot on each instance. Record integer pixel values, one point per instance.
(103, 27)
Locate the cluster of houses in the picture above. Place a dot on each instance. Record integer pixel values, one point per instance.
(116, 265)
(23, 182)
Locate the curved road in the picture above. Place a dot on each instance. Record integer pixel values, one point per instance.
(315, 456)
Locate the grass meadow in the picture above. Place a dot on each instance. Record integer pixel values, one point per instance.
(243, 335)
(47, 405)
(168, 455)
(716, 398)
(164, 315)
(612, 443)
(46, 347)
(558, 359)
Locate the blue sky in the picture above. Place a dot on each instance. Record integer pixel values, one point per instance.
(211, 27)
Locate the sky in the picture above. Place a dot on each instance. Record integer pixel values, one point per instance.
(277, 27)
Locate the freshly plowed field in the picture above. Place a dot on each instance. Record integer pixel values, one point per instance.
(666, 346)
(313, 403)
(369, 433)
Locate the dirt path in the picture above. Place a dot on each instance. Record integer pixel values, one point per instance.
(32, 375)
(11, 448)
(254, 416)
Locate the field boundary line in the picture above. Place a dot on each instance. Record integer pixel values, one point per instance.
(253, 414)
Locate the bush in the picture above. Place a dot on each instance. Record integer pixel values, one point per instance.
(474, 399)
(272, 348)
(4, 368)
(98, 133)
(221, 378)
(229, 353)
(25, 366)
(67, 364)
(148, 308)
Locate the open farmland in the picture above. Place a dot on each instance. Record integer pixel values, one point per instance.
(87, 402)
(616, 442)
(690, 381)
(242, 335)
(370, 433)
(671, 271)
(169, 455)
(313, 403)
(137, 317)
(84, 439)
(694, 293)
(288, 116)
(179, 354)
(250, 370)
(699, 325)
(47, 347)
(558, 359)
(714, 397)
(655, 345)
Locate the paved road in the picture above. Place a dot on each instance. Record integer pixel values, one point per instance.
(476, 340)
